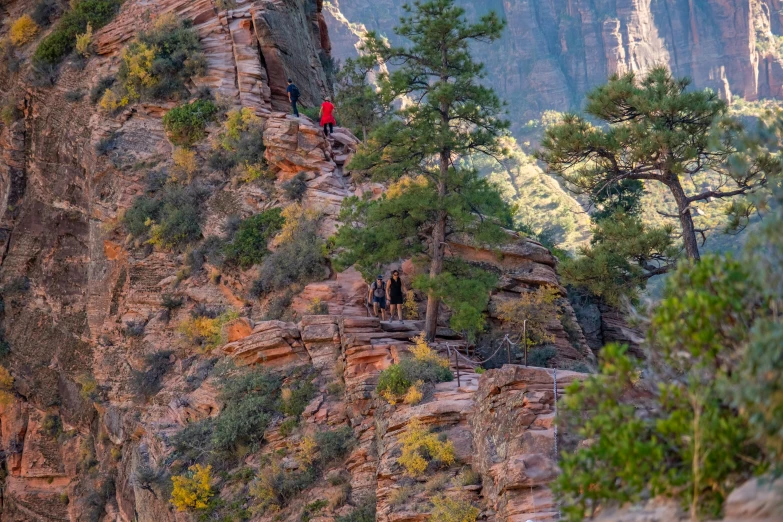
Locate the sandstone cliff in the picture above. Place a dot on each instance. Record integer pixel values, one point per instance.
(82, 303)
(554, 51)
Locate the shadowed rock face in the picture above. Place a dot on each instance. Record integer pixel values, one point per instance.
(554, 51)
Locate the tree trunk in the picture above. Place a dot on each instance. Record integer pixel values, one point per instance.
(438, 251)
(439, 230)
(686, 220)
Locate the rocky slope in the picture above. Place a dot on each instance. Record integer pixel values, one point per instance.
(83, 311)
(83, 302)
(554, 51)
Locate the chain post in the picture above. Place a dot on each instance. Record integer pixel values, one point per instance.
(456, 365)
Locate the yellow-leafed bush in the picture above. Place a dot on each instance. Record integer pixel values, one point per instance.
(110, 102)
(453, 510)
(307, 452)
(192, 490)
(417, 442)
(414, 394)
(423, 353)
(206, 331)
(398, 188)
(84, 42)
(237, 123)
(531, 314)
(6, 386)
(137, 60)
(426, 366)
(23, 30)
(410, 306)
(185, 160)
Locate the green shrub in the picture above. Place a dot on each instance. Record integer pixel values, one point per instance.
(394, 381)
(105, 82)
(398, 378)
(298, 259)
(171, 302)
(310, 112)
(313, 508)
(364, 512)
(335, 444)
(541, 357)
(240, 145)
(45, 12)
(186, 124)
(9, 113)
(211, 250)
(74, 96)
(294, 399)
(295, 188)
(148, 382)
(51, 425)
(276, 487)
(157, 65)
(249, 244)
(692, 444)
(134, 328)
(62, 40)
(426, 366)
(168, 219)
(252, 398)
(288, 426)
(278, 306)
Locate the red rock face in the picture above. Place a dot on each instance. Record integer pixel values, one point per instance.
(554, 51)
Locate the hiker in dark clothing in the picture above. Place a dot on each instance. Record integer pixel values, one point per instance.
(293, 96)
(377, 296)
(395, 290)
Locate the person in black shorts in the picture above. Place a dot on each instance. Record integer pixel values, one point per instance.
(395, 290)
(377, 296)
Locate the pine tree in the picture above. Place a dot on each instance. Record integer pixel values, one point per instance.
(361, 105)
(657, 131)
(624, 252)
(447, 115)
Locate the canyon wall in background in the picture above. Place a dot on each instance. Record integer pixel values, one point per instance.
(554, 51)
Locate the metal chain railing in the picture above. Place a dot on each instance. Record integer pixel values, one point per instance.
(505, 342)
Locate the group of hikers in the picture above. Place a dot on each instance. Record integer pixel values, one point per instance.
(392, 292)
(380, 293)
(326, 113)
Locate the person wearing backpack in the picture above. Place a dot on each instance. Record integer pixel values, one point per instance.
(293, 96)
(377, 296)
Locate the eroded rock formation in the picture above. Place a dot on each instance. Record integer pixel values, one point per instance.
(554, 51)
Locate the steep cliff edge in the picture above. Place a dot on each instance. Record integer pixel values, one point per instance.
(83, 303)
(554, 51)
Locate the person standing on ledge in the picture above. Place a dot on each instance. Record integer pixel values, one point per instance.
(395, 290)
(293, 96)
(377, 296)
(327, 117)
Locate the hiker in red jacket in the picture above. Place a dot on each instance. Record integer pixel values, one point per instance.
(327, 117)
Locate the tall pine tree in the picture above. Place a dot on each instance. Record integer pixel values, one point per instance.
(361, 106)
(446, 115)
(657, 131)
